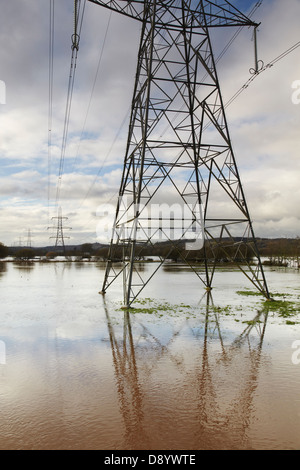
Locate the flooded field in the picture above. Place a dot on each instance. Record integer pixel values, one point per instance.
(182, 371)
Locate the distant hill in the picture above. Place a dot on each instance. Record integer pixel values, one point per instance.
(279, 248)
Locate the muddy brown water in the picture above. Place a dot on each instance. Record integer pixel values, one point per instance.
(77, 372)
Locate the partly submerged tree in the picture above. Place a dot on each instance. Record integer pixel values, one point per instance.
(3, 250)
(25, 254)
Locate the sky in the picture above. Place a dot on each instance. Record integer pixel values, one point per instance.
(264, 120)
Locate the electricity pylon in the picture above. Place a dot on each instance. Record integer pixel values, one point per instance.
(60, 237)
(29, 238)
(179, 149)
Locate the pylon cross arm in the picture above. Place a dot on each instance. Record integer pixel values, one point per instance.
(222, 13)
(134, 9)
(217, 13)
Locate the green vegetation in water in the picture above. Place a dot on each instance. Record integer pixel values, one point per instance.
(287, 309)
(226, 310)
(259, 294)
(252, 322)
(283, 308)
(149, 306)
(249, 293)
(280, 307)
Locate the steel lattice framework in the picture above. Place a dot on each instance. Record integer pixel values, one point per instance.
(180, 181)
(60, 237)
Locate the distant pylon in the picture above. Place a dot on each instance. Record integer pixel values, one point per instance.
(60, 237)
(29, 238)
(180, 181)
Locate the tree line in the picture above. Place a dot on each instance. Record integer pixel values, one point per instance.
(276, 251)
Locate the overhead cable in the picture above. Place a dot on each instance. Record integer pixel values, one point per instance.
(93, 88)
(259, 71)
(50, 95)
(75, 48)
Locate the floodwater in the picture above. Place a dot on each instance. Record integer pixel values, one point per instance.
(77, 372)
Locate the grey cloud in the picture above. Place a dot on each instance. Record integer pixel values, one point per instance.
(263, 122)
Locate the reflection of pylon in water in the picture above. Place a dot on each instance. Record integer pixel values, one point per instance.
(60, 237)
(252, 335)
(140, 357)
(128, 383)
(179, 148)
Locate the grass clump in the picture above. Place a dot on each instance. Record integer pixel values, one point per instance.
(283, 308)
(281, 303)
(249, 293)
(149, 306)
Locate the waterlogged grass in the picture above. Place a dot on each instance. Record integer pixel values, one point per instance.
(249, 293)
(150, 307)
(167, 310)
(283, 304)
(283, 308)
(153, 307)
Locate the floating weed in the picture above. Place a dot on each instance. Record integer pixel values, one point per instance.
(227, 310)
(252, 322)
(283, 308)
(280, 307)
(160, 308)
(282, 304)
(249, 293)
(281, 294)
(141, 310)
(150, 306)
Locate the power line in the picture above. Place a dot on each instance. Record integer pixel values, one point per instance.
(93, 89)
(219, 57)
(88, 108)
(251, 13)
(257, 5)
(75, 48)
(235, 96)
(230, 101)
(258, 72)
(106, 157)
(222, 53)
(50, 94)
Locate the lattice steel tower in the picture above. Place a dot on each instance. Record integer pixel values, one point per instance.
(60, 237)
(179, 150)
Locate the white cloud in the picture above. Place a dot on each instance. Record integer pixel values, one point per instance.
(263, 121)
